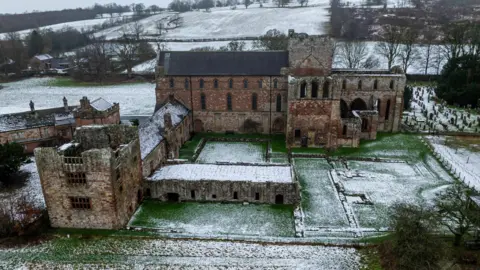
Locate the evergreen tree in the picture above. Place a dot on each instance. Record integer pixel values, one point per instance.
(35, 44)
(11, 158)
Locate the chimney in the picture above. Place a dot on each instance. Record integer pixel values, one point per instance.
(167, 121)
(32, 106)
(65, 104)
(84, 103)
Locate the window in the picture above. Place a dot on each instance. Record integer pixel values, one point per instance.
(326, 88)
(172, 83)
(230, 83)
(314, 89)
(229, 101)
(392, 84)
(192, 194)
(344, 131)
(303, 90)
(80, 203)
(279, 103)
(254, 101)
(375, 84)
(364, 125)
(202, 83)
(387, 110)
(76, 178)
(215, 84)
(344, 84)
(297, 133)
(245, 83)
(214, 196)
(275, 83)
(257, 196)
(45, 132)
(186, 83)
(117, 171)
(260, 84)
(203, 101)
(235, 195)
(121, 188)
(360, 85)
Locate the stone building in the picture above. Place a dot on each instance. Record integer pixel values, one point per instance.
(95, 181)
(295, 92)
(224, 183)
(55, 126)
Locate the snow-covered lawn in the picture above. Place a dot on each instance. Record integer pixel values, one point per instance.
(215, 218)
(31, 191)
(213, 172)
(134, 99)
(138, 253)
(232, 152)
(463, 162)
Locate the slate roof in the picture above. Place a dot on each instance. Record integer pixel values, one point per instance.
(101, 104)
(43, 57)
(223, 63)
(39, 118)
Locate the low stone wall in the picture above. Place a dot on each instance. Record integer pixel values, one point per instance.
(224, 191)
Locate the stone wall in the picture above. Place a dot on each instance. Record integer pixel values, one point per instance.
(106, 136)
(310, 55)
(31, 138)
(224, 191)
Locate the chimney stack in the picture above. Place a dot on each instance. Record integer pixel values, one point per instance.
(167, 121)
(32, 106)
(65, 104)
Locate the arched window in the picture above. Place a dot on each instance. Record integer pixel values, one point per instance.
(215, 83)
(172, 83)
(245, 83)
(203, 101)
(344, 130)
(230, 83)
(358, 105)
(344, 84)
(275, 83)
(326, 88)
(279, 103)
(260, 84)
(387, 110)
(314, 89)
(229, 101)
(186, 83)
(360, 85)
(392, 84)
(303, 90)
(364, 125)
(254, 101)
(375, 84)
(202, 83)
(343, 109)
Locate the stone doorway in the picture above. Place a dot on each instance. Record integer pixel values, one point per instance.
(198, 125)
(173, 197)
(279, 199)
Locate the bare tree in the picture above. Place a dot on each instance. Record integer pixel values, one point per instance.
(389, 44)
(137, 29)
(455, 36)
(352, 53)
(371, 62)
(303, 2)
(160, 27)
(247, 3)
(408, 50)
(126, 51)
(176, 20)
(94, 58)
(428, 40)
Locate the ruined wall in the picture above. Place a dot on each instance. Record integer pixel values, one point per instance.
(105, 136)
(31, 137)
(154, 160)
(102, 119)
(310, 55)
(223, 191)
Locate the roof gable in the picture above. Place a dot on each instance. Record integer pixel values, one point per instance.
(223, 63)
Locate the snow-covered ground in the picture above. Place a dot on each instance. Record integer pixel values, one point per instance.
(197, 172)
(137, 253)
(134, 99)
(31, 191)
(463, 162)
(232, 152)
(427, 115)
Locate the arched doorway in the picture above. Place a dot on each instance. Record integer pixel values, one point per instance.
(278, 125)
(343, 109)
(364, 125)
(198, 125)
(279, 199)
(173, 197)
(358, 105)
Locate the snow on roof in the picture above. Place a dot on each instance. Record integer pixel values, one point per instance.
(39, 118)
(43, 57)
(101, 104)
(150, 132)
(64, 119)
(198, 172)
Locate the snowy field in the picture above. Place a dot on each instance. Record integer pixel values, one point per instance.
(208, 219)
(134, 99)
(138, 253)
(428, 115)
(463, 161)
(31, 191)
(232, 152)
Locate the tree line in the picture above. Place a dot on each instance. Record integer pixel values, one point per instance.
(188, 5)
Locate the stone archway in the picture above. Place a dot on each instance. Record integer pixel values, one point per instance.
(343, 109)
(358, 105)
(278, 125)
(198, 125)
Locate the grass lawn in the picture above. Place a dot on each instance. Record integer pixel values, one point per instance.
(216, 218)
